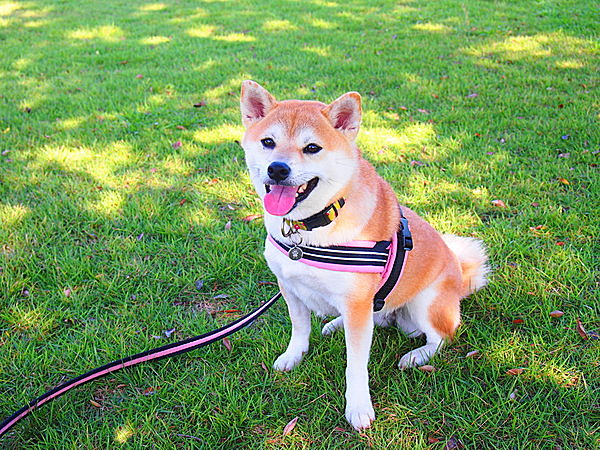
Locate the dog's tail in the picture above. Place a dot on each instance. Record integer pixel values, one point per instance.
(472, 256)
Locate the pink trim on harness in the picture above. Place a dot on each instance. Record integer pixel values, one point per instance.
(333, 266)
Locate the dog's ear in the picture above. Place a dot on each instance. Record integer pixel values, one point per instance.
(345, 114)
(255, 102)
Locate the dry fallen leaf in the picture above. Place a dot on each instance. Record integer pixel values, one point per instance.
(516, 371)
(95, 404)
(453, 443)
(581, 330)
(169, 332)
(499, 203)
(563, 180)
(227, 344)
(556, 313)
(427, 368)
(251, 217)
(290, 426)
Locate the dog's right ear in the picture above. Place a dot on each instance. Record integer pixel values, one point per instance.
(255, 102)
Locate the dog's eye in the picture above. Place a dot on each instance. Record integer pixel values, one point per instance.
(268, 143)
(312, 148)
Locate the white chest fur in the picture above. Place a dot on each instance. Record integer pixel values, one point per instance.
(322, 291)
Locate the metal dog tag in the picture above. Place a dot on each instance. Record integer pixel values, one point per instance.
(295, 253)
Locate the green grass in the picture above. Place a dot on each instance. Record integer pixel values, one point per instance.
(105, 227)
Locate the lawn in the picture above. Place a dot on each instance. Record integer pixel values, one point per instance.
(125, 217)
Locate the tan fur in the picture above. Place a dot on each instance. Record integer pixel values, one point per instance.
(439, 271)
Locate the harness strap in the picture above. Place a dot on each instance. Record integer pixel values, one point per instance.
(166, 351)
(342, 258)
(385, 257)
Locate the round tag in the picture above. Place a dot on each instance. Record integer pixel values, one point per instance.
(295, 253)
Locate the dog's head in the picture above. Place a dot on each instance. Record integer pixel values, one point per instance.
(301, 154)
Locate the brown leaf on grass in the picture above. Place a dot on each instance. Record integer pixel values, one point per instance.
(517, 321)
(228, 225)
(582, 331)
(180, 127)
(200, 104)
(267, 283)
(556, 313)
(563, 181)
(251, 217)
(227, 343)
(427, 368)
(403, 108)
(498, 203)
(516, 371)
(182, 201)
(453, 443)
(95, 404)
(290, 426)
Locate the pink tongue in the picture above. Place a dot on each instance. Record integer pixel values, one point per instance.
(280, 200)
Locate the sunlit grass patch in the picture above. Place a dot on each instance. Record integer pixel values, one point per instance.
(12, 215)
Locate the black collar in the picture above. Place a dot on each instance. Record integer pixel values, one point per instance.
(320, 219)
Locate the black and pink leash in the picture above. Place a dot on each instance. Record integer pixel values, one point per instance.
(165, 351)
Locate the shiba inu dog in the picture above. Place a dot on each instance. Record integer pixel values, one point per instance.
(321, 196)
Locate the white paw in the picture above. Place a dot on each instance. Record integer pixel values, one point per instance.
(287, 361)
(416, 357)
(360, 417)
(330, 327)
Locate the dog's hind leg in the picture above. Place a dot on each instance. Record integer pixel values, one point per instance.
(299, 341)
(330, 327)
(436, 313)
(379, 318)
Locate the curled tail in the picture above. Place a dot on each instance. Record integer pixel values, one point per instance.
(473, 258)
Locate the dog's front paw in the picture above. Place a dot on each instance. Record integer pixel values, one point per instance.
(287, 361)
(360, 417)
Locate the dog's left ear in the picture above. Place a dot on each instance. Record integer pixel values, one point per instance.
(255, 102)
(345, 114)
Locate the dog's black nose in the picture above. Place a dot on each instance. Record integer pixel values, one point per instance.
(278, 171)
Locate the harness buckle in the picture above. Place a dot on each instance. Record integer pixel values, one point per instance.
(407, 240)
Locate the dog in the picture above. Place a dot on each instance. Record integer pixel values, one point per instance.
(304, 163)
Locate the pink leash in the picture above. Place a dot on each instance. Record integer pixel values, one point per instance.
(165, 351)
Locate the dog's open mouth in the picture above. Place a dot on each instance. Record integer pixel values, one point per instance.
(281, 199)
